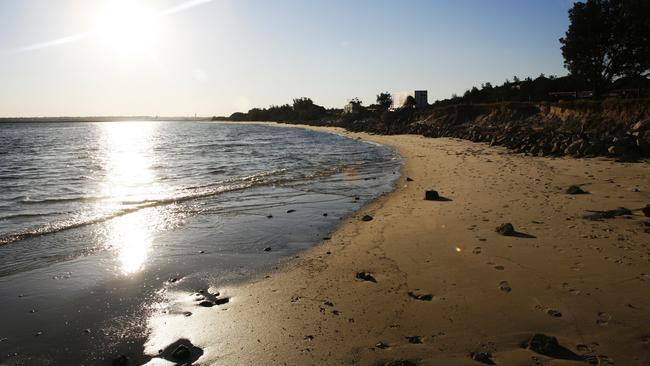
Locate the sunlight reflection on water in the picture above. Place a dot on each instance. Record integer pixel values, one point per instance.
(130, 179)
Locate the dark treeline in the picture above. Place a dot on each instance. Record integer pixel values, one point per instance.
(547, 89)
(302, 109)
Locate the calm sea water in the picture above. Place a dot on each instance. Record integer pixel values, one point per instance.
(97, 218)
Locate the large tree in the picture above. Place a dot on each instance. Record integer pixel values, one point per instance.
(607, 39)
(385, 100)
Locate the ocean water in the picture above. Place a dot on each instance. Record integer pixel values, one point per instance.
(96, 219)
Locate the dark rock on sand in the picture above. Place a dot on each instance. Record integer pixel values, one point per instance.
(409, 179)
(365, 276)
(400, 363)
(366, 218)
(575, 190)
(431, 195)
(222, 301)
(121, 360)
(290, 211)
(609, 214)
(543, 344)
(422, 297)
(482, 357)
(506, 229)
(181, 352)
(206, 303)
(267, 249)
(549, 346)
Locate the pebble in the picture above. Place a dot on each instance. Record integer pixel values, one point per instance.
(506, 229)
(365, 276)
(431, 195)
(367, 218)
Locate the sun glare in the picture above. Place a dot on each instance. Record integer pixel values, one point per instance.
(127, 27)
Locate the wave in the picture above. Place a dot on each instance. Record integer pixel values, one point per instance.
(30, 201)
(198, 192)
(28, 215)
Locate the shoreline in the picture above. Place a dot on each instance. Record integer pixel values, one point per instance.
(139, 270)
(447, 285)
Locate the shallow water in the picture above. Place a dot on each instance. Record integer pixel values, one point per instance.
(96, 219)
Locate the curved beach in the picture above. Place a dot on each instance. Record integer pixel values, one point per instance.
(447, 288)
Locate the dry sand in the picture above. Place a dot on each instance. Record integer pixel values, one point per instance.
(585, 282)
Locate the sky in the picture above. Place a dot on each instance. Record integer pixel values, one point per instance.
(215, 57)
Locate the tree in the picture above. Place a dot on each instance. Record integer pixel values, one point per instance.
(409, 102)
(302, 104)
(633, 31)
(385, 100)
(607, 39)
(355, 101)
(305, 109)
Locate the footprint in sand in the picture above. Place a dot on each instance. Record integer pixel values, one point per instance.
(554, 313)
(505, 286)
(577, 266)
(603, 319)
(382, 345)
(414, 339)
(571, 290)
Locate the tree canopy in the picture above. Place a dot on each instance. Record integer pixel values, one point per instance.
(385, 100)
(607, 39)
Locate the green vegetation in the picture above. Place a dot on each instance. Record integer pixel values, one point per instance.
(302, 110)
(384, 100)
(607, 39)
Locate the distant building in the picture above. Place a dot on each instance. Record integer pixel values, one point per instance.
(421, 99)
(420, 96)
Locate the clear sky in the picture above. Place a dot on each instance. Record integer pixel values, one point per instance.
(181, 57)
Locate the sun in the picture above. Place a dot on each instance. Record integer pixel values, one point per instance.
(127, 27)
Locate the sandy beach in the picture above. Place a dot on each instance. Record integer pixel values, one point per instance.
(447, 285)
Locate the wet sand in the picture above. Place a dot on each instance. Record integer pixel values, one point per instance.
(447, 287)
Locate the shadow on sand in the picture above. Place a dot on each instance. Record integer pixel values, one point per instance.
(518, 234)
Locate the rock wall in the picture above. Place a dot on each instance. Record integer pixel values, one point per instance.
(618, 128)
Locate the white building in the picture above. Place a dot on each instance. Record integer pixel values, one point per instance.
(420, 96)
